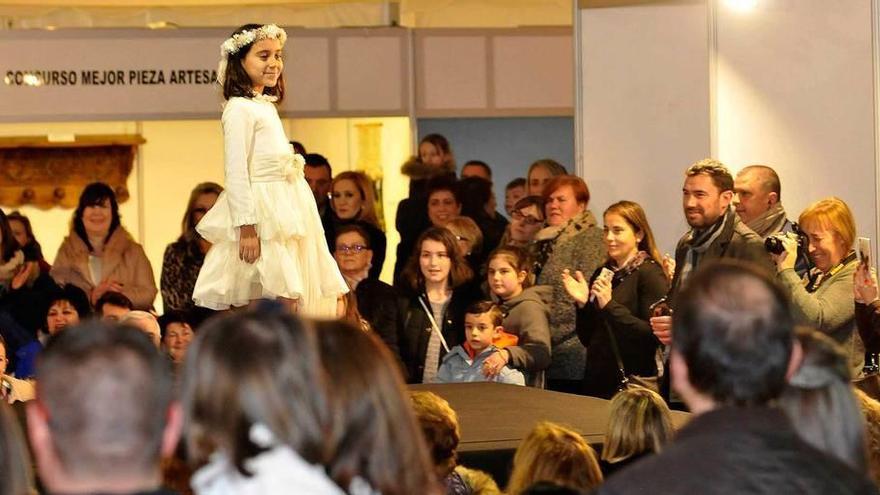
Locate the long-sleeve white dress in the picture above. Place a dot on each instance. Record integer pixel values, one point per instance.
(265, 187)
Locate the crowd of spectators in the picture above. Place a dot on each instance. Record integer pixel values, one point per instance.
(758, 326)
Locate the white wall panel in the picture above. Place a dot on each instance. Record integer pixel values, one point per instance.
(795, 91)
(645, 111)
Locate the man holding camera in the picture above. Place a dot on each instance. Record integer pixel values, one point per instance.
(758, 202)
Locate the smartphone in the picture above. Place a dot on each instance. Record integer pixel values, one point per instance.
(863, 251)
(604, 274)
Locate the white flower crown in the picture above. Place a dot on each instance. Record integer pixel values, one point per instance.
(236, 42)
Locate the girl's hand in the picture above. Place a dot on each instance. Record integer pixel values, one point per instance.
(24, 273)
(576, 286)
(865, 285)
(248, 244)
(601, 291)
(493, 364)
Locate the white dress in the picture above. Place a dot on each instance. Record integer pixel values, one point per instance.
(265, 186)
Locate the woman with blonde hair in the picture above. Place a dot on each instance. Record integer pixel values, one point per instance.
(639, 425)
(470, 240)
(353, 202)
(823, 299)
(614, 307)
(555, 455)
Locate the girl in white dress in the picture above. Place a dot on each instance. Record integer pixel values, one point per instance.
(266, 235)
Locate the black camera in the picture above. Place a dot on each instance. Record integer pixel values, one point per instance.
(773, 244)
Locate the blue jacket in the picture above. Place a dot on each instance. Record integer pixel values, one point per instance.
(457, 367)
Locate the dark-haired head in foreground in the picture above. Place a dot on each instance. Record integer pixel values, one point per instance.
(103, 416)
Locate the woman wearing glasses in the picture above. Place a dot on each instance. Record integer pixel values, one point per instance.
(527, 218)
(376, 301)
(184, 257)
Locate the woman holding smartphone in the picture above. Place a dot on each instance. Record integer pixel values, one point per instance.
(615, 305)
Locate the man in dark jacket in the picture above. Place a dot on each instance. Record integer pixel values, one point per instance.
(716, 232)
(733, 350)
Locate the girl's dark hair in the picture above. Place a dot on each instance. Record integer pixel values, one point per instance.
(188, 226)
(94, 195)
(374, 435)
(8, 244)
(459, 271)
(236, 82)
(255, 368)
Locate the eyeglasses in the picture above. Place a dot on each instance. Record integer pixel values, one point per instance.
(353, 248)
(527, 219)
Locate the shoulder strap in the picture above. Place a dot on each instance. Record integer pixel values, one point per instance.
(434, 325)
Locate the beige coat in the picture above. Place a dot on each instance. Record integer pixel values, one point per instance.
(123, 260)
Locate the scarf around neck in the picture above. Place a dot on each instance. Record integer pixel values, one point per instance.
(769, 222)
(699, 241)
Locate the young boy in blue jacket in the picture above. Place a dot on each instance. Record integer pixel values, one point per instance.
(483, 330)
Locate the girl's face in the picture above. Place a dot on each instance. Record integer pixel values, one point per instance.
(19, 232)
(61, 315)
(352, 254)
(347, 199)
(525, 223)
(621, 240)
(434, 262)
(263, 64)
(97, 218)
(177, 340)
(562, 206)
(203, 203)
(539, 178)
(3, 361)
(431, 155)
(826, 248)
(442, 206)
(504, 281)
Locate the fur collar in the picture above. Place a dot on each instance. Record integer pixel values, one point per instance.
(415, 169)
(567, 230)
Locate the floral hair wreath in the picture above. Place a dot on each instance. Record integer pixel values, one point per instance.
(237, 41)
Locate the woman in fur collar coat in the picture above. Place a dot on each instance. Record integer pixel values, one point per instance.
(99, 255)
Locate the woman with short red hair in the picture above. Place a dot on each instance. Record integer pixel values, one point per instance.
(572, 241)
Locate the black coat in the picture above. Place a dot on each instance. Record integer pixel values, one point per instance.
(736, 241)
(378, 304)
(626, 315)
(416, 330)
(739, 450)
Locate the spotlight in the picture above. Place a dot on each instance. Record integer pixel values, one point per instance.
(742, 5)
